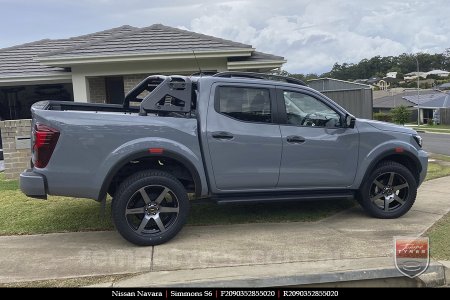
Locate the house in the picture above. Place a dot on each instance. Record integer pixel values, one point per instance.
(439, 73)
(428, 104)
(413, 75)
(426, 101)
(103, 66)
(373, 80)
(391, 74)
(385, 100)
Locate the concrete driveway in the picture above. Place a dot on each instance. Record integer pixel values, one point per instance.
(343, 247)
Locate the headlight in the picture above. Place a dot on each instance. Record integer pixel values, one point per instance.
(418, 140)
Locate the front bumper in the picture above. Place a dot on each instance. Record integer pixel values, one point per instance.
(33, 184)
(423, 158)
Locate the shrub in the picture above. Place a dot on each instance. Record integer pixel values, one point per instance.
(400, 114)
(385, 117)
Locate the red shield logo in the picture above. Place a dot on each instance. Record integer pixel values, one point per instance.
(412, 255)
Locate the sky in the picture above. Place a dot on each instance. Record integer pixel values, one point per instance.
(311, 35)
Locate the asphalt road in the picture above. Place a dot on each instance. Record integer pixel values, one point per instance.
(436, 143)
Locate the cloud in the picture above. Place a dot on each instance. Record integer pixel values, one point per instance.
(314, 35)
(311, 35)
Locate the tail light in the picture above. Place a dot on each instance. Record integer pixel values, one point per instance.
(45, 139)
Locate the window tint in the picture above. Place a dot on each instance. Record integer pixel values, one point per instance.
(304, 110)
(246, 104)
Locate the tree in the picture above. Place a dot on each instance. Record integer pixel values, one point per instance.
(400, 114)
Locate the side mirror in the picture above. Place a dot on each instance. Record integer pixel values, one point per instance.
(349, 121)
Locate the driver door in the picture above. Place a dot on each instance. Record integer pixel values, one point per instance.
(317, 151)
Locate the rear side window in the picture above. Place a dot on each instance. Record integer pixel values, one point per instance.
(245, 104)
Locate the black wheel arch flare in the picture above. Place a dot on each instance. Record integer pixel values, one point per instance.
(145, 154)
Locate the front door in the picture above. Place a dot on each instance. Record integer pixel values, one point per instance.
(317, 151)
(243, 140)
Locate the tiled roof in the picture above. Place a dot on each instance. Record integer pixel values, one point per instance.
(20, 60)
(23, 60)
(435, 100)
(396, 97)
(391, 102)
(153, 39)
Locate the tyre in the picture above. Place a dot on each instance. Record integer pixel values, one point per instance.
(389, 191)
(150, 208)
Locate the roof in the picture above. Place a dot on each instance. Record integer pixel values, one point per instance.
(435, 100)
(411, 74)
(152, 39)
(34, 59)
(438, 72)
(391, 102)
(397, 96)
(19, 60)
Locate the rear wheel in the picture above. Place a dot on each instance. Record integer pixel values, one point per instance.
(389, 192)
(150, 208)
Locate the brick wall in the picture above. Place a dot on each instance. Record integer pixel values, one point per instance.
(97, 89)
(130, 81)
(16, 160)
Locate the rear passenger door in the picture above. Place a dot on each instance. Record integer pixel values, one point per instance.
(244, 140)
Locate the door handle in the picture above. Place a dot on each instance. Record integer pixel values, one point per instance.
(294, 139)
(223, 135)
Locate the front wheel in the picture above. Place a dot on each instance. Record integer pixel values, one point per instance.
(389, 192)
(150, 208)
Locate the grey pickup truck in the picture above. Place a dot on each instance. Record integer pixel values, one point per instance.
(229, 137)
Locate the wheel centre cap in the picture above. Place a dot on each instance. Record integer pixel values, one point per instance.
(153, 208)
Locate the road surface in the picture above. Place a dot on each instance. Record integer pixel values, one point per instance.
(436, 143)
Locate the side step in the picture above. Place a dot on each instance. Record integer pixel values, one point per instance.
(287, 196)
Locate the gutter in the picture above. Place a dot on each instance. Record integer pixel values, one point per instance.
(67, 61)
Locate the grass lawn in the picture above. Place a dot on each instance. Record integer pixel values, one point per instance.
(23, 215)
(434, 128)
(440, 157)
(436, 170)
(439, 233)
(439, 236)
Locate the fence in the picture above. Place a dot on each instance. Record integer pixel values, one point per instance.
(358, 101)
(445, 116)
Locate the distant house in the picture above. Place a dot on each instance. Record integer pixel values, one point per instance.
(373, 80)
(428, 101)
(361, 81)
(391, 74)
(439, 73)
(413, 75)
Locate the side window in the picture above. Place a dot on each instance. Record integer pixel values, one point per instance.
(304, 110)
(245, 104)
